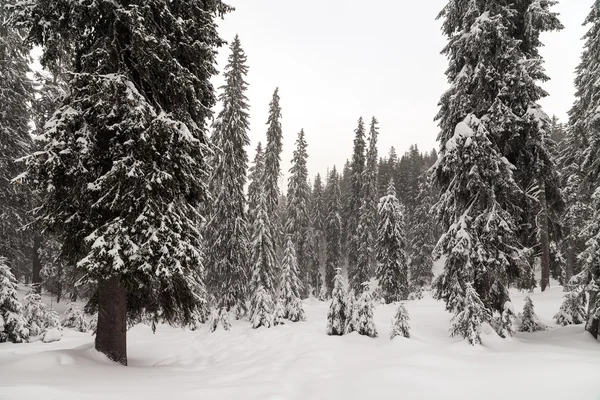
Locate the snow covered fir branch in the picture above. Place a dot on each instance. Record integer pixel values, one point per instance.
(136, 192)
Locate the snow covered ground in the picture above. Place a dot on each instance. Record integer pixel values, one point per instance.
(299, 361)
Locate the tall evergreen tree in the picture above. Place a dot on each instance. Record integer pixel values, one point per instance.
(226, 230)
(487, 124)
(370, 197)
(298, 198)
(354, 202)
(338, 312)
(273, 153)
(422, 240)
(255, 187)
(333, 229)
(124, 165)
(262, 289)
(391, 244)
(16, 93)
(291, 286)
(584, 144)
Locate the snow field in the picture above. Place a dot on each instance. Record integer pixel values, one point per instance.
(299, 361)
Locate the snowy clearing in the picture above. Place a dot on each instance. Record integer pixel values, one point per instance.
(299, 361)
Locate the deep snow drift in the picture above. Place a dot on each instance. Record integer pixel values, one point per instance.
(299, 361)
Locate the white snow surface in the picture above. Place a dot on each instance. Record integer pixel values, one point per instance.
(299, 361)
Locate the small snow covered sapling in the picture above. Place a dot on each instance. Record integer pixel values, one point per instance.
(74, 318)
(529, 320)
(262, 310)
(508, 320)
(352, 313)
(35, 313)
(13, 327)
(400, 326)
(220, 316)
(366, 322)
(278, 314)
(468, 320)
(572, 310)
(336, 317)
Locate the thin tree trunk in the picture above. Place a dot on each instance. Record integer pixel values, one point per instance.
(544, 239)
(37, 264)
(111, 334)
(593, 324)
(571, 259)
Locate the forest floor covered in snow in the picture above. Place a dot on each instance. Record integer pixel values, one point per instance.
(299, 361)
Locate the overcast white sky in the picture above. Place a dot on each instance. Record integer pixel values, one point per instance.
(337, 60)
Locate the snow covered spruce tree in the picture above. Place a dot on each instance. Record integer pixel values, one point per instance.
(226, 234)
(351, 312)
(370, 198)
(467, 322)
(400, 325)
(354, 202)
(572, 310)
(481, 201)
(422, 240)
(584, 144)
(13, 324)
(316, 236)
(255, 187)
(16, 93)
(291, 286)
(298, 202)
(124, 165)
(391, 243)
(507, 320)
(262, 265)
(273, 155)
(38, 316)
(333, 230)
(529, 320)
(74, 318)
(338, 312)
(366, 322)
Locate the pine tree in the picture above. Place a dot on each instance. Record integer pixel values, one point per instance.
(263, 267)
(273, 154)
(291, 286)
(338, 313)
(354, 201)
(422, 241)
(333, 230)
(529, 320)
(16, 93)
(128, 145)
(366, 322)
(255, 187)
(227, 231)
(584, 145)
(298, 198)
(488, 126)
(370, 196)
(391, 255)
(507, 320)
(469, 317)
(400, 326)
(361, 272)
(74, 318)
(11, 314)
(313, 253)
(35, 313)
(351, 312)
(572, 310)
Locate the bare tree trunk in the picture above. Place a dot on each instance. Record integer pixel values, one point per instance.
(571, 260)
(544, 239)
(37, 264)
(593, 324)
(111, 334)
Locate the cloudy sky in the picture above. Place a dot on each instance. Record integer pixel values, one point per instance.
(337, 60)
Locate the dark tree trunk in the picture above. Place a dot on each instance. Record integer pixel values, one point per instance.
(544, 239)
(111, 334)
(593, 324)
(37, 264)
(571, 260)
